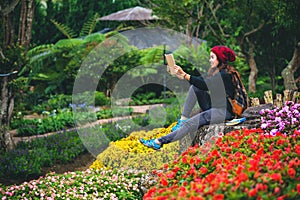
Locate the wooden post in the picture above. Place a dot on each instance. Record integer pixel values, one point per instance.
(278, 101)
(296, 97)
(287, 95)
(255, 101)
(268, 97)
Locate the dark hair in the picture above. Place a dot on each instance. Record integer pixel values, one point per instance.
(230, 69)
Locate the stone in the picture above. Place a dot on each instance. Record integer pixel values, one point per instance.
(208, 133)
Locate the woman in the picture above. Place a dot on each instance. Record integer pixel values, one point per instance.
(211, 92)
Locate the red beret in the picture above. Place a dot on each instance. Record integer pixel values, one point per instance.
(224, 54)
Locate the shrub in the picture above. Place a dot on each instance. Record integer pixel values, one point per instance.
(130, 153)
(101, 99)
(55, 122)
(28, 158)
(244, 164)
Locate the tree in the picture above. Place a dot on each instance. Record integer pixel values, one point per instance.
(288, 72)
(181, 15)
(231, 23)
(12, 53)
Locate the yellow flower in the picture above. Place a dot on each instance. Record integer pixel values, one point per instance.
(129, 152)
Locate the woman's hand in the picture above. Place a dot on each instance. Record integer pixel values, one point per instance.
(179, 72)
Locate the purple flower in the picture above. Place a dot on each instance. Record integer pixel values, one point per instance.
(273, 132)
(264, 126)
(262, 112)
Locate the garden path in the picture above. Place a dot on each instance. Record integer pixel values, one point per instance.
(136, 109)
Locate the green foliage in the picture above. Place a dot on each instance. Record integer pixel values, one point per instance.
(89, 26)
(67, 31)
(15, 59)
(28, 158)
(194, 58)
(55, 122)
(101, 99)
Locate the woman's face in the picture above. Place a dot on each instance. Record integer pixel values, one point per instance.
(213, 60)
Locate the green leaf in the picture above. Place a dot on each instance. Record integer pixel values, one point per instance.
(67, 31)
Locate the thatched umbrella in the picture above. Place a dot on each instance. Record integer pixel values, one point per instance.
(131, 14)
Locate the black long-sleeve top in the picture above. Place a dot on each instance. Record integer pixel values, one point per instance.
(219, 87)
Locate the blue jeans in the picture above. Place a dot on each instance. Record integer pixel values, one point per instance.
(208, 115)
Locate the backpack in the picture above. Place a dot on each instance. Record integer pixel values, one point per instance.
(240, 101)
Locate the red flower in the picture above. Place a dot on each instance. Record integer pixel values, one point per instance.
(203, 170)
(242, 177)
(192, 160)
(166, 166)
(280, 142)
(298, 188)
(291, 172)
(182, 192)
(297, 149)
(253, 165)
(176, 169)
(218, 197)
(252, 193)
(215, 153)
(277, 190)
(184, 159)
(281, 197)
(196, 198)
(198, 160)
(164, 182)
(276, 177)
(162, 198)
(171, 175)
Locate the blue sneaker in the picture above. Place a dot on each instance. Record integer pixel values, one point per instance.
(150, 144)
(179, 124)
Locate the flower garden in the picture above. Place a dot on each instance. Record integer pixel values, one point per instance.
(261, 163)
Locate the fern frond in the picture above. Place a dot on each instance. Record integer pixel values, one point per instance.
(67, 31)
(39, 49)
(39, 52)
(90, 25)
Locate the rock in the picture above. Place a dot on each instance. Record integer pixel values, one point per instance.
(147, 181)
(208, 133)
(253, 112)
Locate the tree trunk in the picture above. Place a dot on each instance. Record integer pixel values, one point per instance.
(6, 142)
(25, 25)
(24, 37)
(253, 68)
(288, 72)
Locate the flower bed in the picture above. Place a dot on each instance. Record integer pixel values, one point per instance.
(284, 120)
(130, 153)
(246, 164)
(89, 184)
